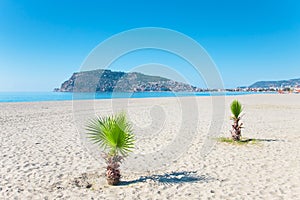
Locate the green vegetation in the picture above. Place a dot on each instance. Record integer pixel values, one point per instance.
(114, 135)
(236, 110)
(240, 142)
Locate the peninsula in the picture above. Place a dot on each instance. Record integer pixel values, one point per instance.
(108, 81)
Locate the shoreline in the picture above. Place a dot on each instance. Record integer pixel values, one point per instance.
(154, 97)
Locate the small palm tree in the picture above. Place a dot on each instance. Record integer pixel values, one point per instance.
(236, 110)
(115, 137)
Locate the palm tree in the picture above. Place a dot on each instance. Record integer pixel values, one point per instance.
(115, 136)
(236, 110)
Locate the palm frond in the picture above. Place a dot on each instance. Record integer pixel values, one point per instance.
(236, 109)
(113, 133)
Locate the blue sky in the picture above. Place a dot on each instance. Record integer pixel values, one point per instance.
(43, 42)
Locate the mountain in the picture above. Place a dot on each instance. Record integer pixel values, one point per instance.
(276, 84)
(108, 81)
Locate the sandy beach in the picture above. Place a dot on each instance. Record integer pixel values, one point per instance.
(42, 155)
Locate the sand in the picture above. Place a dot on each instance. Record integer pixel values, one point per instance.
(43, 157)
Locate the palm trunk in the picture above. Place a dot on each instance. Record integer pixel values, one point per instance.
(236, 130)
(113, 176)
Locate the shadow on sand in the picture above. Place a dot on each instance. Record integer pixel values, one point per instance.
(260, 140)
(171, 178)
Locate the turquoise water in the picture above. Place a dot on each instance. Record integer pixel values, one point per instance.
(62, 96)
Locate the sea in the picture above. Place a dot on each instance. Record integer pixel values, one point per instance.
(66, 96)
